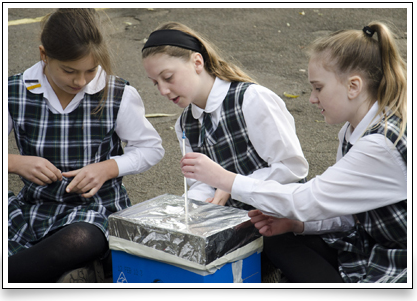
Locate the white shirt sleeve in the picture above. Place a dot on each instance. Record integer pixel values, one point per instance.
(271, 130)
(342, 223)
(196, 190)
(371, 175)
(143, 144)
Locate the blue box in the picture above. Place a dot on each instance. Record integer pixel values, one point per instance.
(128, 268)
(159, 241)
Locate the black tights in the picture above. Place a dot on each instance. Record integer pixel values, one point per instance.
(69, 248)
(303, 258)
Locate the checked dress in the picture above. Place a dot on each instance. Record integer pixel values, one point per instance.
(375, 250)
(69, 141)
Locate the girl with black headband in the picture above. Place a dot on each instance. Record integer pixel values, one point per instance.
(226, 116)
(359, 80)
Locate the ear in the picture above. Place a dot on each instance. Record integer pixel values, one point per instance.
(198, 62)
(42, 53)
(355, 86)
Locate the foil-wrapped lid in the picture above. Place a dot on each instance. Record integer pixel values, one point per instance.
(207, 233)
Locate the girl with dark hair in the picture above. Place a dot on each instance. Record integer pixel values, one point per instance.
(70, 116)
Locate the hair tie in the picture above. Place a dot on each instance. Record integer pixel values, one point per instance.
(368, 31)
(173, 37)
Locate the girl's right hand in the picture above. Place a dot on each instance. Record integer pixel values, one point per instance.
(270, 226)
(201, 168)
(35, 169)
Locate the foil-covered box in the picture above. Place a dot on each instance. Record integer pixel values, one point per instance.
(161, 226)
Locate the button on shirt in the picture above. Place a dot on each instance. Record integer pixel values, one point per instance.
(371, 175)
(143, 144)
(265, 113)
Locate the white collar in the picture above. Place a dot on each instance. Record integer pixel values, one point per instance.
(215, 99)
(35, 73)
(369, 119)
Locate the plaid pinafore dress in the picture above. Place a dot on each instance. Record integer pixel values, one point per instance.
(69, 141)
(232, 148)
(375, 250)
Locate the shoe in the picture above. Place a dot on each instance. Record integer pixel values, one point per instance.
(91, 273)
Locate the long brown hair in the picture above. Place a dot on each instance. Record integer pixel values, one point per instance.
(69, 34)
(214, 64)
(377, 60)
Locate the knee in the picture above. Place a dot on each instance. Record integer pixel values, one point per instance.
(86, 235)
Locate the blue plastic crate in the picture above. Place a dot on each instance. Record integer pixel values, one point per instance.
(128, 268)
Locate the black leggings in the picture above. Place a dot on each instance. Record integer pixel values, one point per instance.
(303, 258)
(69, 248)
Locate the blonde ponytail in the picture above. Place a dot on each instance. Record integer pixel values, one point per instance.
(392, 91)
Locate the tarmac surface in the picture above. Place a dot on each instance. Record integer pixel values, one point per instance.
(268, 43)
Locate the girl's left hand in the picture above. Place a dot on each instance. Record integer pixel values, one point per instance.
(220, 198)
(201, 168)
(89, 179)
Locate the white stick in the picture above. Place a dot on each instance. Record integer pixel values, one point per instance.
(185, 180)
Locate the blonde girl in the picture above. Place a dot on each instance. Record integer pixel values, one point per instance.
(226, 116)
(358, 77)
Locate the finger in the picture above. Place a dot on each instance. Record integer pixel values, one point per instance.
(192, 155)
(261, 224)
(84, 186)
(255, 212)
(90, 193)
(189, 174)
(209, 200)
(37, 181)
(265, 231)
(43, 178)
(257, 219)
(73, 183)
(53, 175)
(215, 201)
(70, 174)
(187, 162)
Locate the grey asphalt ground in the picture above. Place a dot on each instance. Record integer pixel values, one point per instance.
(268, 43)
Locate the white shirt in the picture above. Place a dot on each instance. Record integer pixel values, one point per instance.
(143, 144)
(371, 175)
(264, 113)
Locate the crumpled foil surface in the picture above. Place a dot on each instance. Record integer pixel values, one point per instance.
(210, 231)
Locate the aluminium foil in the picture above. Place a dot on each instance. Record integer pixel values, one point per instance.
(210, 232)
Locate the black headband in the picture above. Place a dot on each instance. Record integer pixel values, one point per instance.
(368, 31)
(173, 37)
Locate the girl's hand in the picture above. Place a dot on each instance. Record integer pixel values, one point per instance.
(35, 169)
(220, 198)
(201, 168)
(89, 179)
(270, 226)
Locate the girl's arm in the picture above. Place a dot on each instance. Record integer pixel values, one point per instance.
(271, 130)
(370, 176)
(143, 144)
